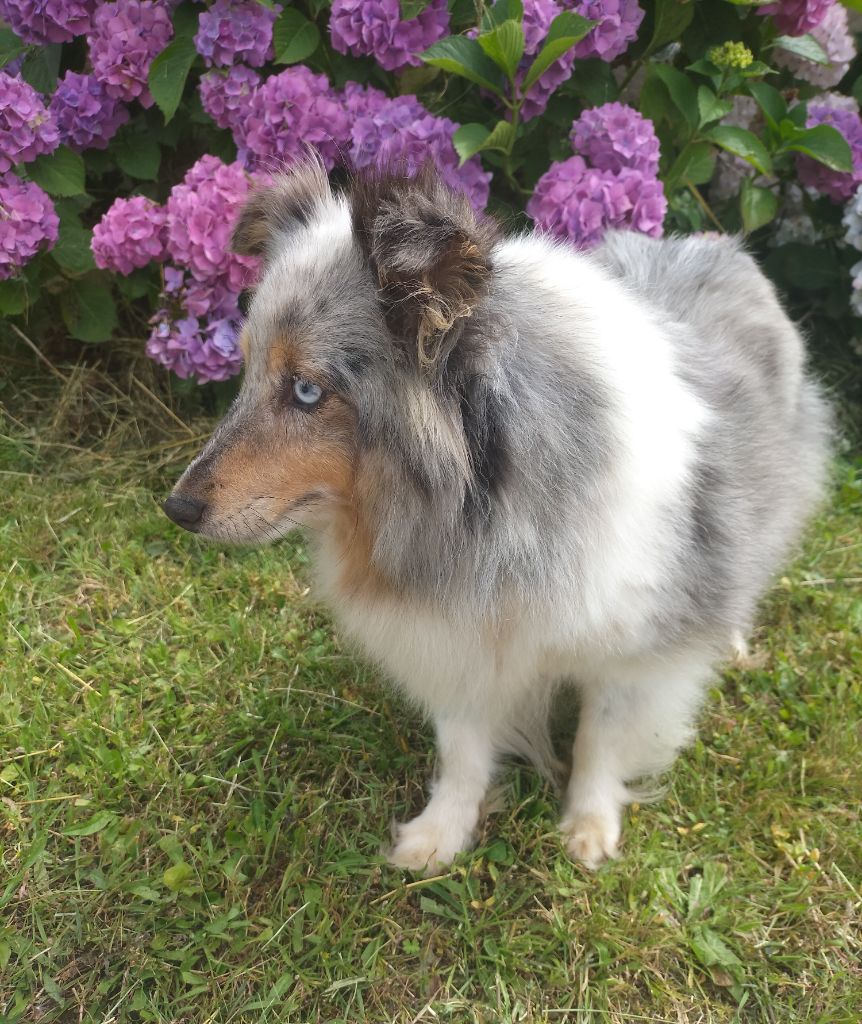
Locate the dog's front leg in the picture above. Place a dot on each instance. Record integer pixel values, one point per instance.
(465, 765)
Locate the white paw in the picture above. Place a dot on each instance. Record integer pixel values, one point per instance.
(427, 843)
(591, 838)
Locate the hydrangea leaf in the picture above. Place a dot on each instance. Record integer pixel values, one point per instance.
(770, 101)
(89, 311)
(695, 165)
(672, 18)
(168, 74)
(682, 91)
(803, 46)
(503, 10)
(473, 138)
(41, 67)
(757, 205)
(464, 57)
(710, 107)
(411, 9)
(742, 143)
(72, 250)
(505, 46)
(826, 145)
(294, 37)
(13, 297)
(60, 173)
(10, 46)
(566, 30)
(139, 156)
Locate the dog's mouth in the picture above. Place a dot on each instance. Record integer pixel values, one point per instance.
(254, 523)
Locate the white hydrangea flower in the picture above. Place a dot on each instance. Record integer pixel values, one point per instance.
(833, 35)
(794, 224)
(852, 220)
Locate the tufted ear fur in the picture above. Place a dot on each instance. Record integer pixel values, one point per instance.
(431, 255)
(276, 209)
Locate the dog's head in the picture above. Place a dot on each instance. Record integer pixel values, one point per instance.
(362, 310)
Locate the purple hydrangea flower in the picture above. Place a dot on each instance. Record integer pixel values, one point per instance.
(401, 133)
(87, 117)
(201, 213)
(125, 37)
(190, 349)
(838, 185)
(131, 234)
(47, 21)
(236, 30)
(375, 28)
(615, 136)
(286, 113)
(796, 17)
(28, 222)
(227, 97)
(538, 15)
(834, 36)
(618, 24)
(27, 129)
(575, 202)
(363, 100)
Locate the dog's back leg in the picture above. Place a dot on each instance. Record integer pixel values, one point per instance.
(635, 717)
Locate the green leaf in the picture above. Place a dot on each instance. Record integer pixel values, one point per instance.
(681, 89)
(139, 156)
(72, 252)
(744, 144)
(41, 67)
(177, 876)
(566, 30)
(854, 5)
(92, 826)
(294, 37)
(503, 10)
(88, 311)
(10, 46)
(710, 107)
(595, 83)
(464, 57)
(13, 297)
(505, 46)
(826, 145)
(145, 892)
(694, 165)
(168, 74)
(758, 206)
(770, 101)
(803, 46)
(60, 173)
(723, 965)
(672, 18)
(756, 69)
(472, 138)
(412, 8)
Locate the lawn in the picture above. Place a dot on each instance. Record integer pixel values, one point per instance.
(197, 777)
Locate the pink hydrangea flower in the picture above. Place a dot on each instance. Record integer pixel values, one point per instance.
(834, 36)
(401, 133)
(47, 21)
(227, 97)
(615, 136)
(27, 129)
(288, 112)
(87, 117)
(131, 234)
(796, 17)
(231, 31)
(618, 24)
(207, 352)
(28, 223)
(375, 28)
(574, 202)
(201, 213)
(538, 15)
(838, 185)
(125, 37)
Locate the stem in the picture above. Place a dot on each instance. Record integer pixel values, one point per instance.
(704, 205)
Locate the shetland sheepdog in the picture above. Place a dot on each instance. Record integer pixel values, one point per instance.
(522, 465)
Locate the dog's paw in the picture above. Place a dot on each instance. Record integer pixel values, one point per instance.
(426, 844)
(591, 838)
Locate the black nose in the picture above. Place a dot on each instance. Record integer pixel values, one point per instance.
(185, 512)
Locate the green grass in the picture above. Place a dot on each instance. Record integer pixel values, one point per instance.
(196, 778)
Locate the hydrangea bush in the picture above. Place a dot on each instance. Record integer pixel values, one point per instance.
(132, 131)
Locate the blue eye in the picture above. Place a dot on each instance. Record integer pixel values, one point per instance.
(306, 393)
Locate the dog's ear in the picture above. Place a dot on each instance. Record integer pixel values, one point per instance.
(274, 210)
(432, 257)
